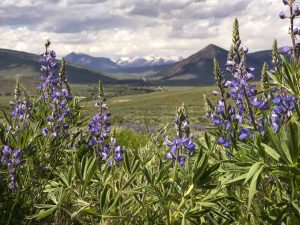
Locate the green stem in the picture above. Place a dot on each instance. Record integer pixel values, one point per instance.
(12, 209)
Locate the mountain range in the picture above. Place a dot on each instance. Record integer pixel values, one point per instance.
(198, 68)
(82, 68)
(193, 70)
(127, 65)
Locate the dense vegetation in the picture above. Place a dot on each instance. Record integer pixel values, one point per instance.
(59, 167)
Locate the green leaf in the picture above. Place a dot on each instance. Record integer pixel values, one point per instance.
(163, 173)
(198, 172)
(116, 200)
(207, 141)
(126, 160)
(237, 179)
(90, 211)
(63, 180)
(252, 171)
(129, 181)
(103, 196)
(44, 206)
(147, 175)
(44, 213)
(76, 166)
(90, 170)
(271, 152)
(252, 188)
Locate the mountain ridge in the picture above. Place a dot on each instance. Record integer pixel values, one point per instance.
(197, 69)
(25, 64)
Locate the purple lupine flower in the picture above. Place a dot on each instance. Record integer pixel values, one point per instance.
(118, 153)
(286, 49)
(296, 30)
(52, 54)
(224, 141)
(181, 159)
(227, 125)
(244, 133)
(11, 160)
(21, 112)
(57, 97)
(44, 131)
(220, 107)
(285, 105)
(296, 10)
(99, 128)
(182, 145)
(217, 121)
(282, 15)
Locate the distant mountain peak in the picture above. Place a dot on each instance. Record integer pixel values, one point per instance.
(198, 67)
(96, 63)
(212, 51)
(134, 62)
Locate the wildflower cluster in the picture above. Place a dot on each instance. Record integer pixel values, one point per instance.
(250, 111)
(49, 79)
(99, 128)
(285, 105)
(22, 107)
(55, 94)
(182, 145)
(294, 11)
(11, 159)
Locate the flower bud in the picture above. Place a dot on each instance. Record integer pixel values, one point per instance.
(296, 10)
(295, 30)
(285, 2)
(282, 15)
(47, 43)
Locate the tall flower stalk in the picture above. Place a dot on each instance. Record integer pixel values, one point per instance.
(182, 145)
(237, 121)
(99, 127)
(293, 13)
(55, 91)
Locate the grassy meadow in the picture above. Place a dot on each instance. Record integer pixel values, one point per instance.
(145, 108)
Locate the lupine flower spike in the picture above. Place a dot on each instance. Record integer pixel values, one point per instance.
(99, 128)
(182, 145)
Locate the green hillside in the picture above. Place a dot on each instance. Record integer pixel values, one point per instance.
(26, 66)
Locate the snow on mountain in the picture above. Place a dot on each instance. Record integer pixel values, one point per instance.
(131, 62)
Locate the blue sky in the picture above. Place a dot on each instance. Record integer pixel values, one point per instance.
(114, 28)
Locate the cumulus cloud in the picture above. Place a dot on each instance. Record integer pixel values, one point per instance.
(114, 28)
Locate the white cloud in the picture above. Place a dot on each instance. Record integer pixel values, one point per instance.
(114, 28)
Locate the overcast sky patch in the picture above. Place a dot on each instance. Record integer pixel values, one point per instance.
(115, 28)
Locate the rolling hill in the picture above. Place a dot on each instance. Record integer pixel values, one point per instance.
(192, 71)
(198, 68)
(26, 65)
